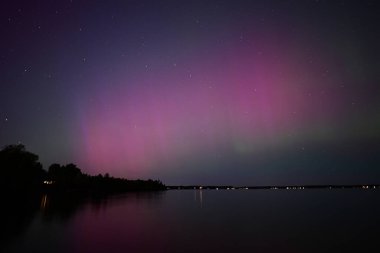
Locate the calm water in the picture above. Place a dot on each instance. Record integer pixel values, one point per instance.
(196, 221)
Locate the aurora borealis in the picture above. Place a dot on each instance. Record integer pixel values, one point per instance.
(209, 92)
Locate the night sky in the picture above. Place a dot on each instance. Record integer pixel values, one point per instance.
(196, 92)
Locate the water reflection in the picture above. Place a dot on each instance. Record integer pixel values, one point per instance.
(44, 202)
(198, 197)
(17, 212)
(27, 219)
(65, 206)
(180, 221)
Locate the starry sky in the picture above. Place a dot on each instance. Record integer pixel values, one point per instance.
(196, 92)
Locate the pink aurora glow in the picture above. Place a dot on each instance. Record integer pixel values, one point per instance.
(232, 98)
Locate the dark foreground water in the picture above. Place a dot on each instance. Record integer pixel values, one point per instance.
(344, 220)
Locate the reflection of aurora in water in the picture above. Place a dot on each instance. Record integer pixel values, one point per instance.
(180, 220)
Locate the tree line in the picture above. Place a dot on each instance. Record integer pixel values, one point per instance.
(20, 170)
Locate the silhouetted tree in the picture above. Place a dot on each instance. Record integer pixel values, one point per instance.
(66, 173)
(65, 176)
(54, 169)
(19, 168)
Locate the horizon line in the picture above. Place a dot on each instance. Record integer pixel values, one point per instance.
(273, 187)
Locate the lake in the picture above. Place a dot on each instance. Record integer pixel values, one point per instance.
(312, 220)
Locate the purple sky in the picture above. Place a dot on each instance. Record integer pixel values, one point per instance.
(261, 92)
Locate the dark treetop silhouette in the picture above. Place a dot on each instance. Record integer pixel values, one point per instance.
(20, 170)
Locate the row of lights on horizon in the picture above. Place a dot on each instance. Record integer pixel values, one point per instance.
(271, 188)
